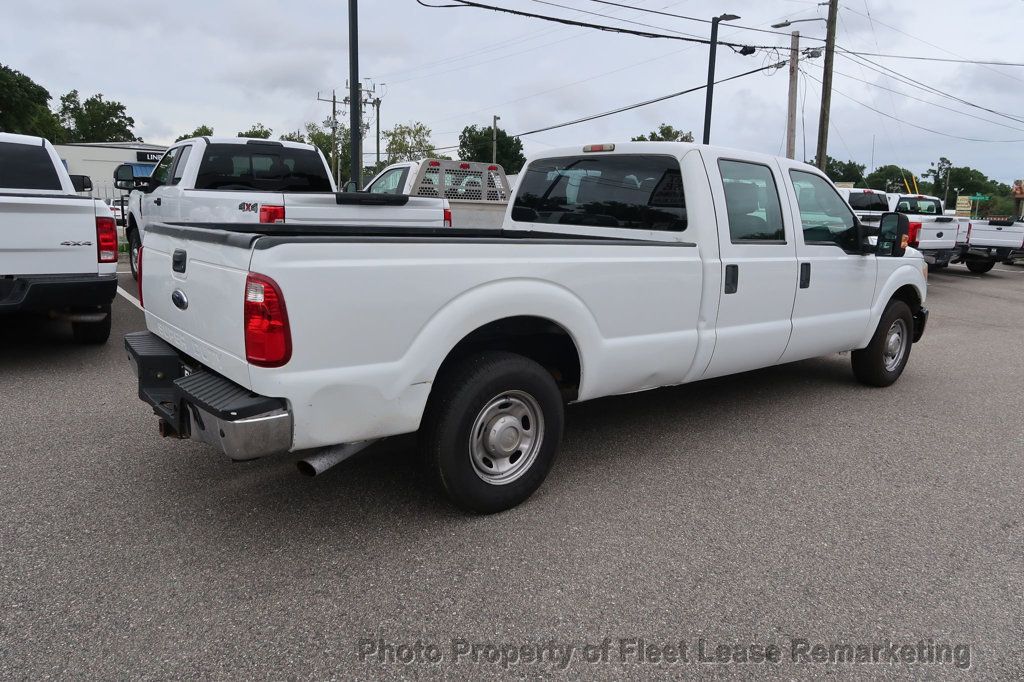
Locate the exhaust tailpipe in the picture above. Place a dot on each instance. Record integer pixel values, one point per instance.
(325, 458)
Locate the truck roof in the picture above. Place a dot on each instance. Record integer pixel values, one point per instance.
(15, 138)
(246, 140)
(672, 148)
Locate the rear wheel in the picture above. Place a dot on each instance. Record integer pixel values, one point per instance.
(92, 332)
(882, 362)
(980, 267)
(134, 243)
(492, 429)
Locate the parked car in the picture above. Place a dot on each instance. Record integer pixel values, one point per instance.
(242, 180)
(58, 250)
(267, 338)
(478, 192)
(932, 232)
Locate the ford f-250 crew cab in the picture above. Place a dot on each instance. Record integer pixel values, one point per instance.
(58, 249)
(478, 192)
(989, 242)
(242, 180)
(931, 231)
(619, 268)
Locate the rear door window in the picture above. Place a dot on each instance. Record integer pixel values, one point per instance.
(262, 167)
(624, 190)
(27, 166)
(752, 203)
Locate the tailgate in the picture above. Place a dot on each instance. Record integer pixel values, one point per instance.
(984, 233)
(324, 209)
(47, 234)
(193, 290)
(936, 233)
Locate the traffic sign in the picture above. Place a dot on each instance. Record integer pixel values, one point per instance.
(979, 197)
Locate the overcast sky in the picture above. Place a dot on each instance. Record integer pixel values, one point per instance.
(230, 63)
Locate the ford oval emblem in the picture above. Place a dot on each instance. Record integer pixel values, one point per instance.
(939, 235)
(179, 299)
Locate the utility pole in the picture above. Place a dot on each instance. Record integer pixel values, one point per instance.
(355, 110)
(494, 139)
(335, 161)
(376, 106)
(794, 65)
(826, 84)
(710, 93)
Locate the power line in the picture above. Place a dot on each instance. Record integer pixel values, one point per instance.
(912, 125)
(636, 105)
(608, 16)
(703, 21)
(599, 27)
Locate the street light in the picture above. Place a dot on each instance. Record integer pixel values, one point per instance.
(786, 23)
(713, 45)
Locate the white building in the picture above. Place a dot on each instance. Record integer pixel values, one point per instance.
(99, 159)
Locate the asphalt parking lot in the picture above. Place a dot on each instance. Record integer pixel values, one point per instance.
(784, 505)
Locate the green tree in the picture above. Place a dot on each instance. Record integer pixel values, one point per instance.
(294, 136)
(889, 178)
(95, 119)
(200, 131)
(475, 145)
(257, 130)
(407, 142)
(665, 133)
(843, 171)
(938, 172)
(24, 107)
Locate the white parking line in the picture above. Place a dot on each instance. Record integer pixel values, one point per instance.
(131, 299)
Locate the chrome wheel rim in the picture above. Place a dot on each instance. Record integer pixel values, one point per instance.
(134, 255)
(506, 437)
(895, 345)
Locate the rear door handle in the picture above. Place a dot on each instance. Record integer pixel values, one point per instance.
(158, 201)
(732, 278)
(805, 275)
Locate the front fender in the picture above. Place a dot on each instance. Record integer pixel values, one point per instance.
(910, 273)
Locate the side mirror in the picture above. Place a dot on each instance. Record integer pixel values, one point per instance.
(892, 235)
(81, 183)
(124, 173)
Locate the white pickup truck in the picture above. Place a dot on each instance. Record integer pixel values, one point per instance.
(932, 232)
(989, 242)
(58, 249)
(478, 192)
(242, 180)
(620, 268)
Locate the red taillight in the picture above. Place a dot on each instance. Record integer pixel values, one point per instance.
(912, 232)
(464, 166)
(106, 240)
(268, 339)
(434, 164)
(138, 272)
(271, 214)
(492, 168)
(447, 217)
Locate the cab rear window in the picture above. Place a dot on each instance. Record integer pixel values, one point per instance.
(622, 190)
(27, 166)
(267, 168)
(918, 206)
(868, 201)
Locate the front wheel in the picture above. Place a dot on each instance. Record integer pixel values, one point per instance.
(134, 244)
(980, 267)
(492, 429)
(882, 362)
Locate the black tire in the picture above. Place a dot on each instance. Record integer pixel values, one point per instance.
(980, 267)
(133, 251)
(92, 332)
(495, 383)
(933, 267)
(872, 365)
